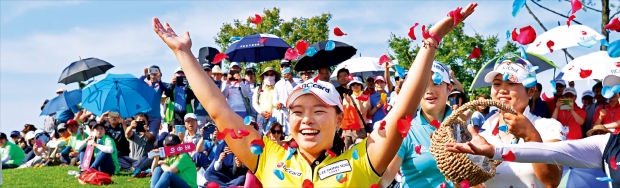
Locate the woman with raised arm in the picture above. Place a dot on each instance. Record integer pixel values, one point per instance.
(315, 114)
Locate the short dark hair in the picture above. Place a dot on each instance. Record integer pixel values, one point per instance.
(538, 87)
(598, 85)
(343, 70)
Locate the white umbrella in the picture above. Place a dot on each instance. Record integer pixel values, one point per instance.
(595, 65)
(361, 66)
(564, 37)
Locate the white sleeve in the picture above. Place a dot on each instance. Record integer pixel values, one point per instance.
(6, 158)
(550, 129)
(80, 145)
(218, 165)
(255, 99)
(584, 153)
(106, 149)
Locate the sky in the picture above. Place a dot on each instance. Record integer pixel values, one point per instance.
(38, 39)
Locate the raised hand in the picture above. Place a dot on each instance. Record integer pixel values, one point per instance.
(443, 27)
(477, 146)
(168, 35)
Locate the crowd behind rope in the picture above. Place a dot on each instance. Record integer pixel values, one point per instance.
(365, 105)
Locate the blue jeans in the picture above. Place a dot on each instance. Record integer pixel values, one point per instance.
(7, 166)
(104, 163)
(28, 157)
(166, 179)
(201, 160)
(154, 125)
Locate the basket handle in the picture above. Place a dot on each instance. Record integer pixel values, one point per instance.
(455, 114)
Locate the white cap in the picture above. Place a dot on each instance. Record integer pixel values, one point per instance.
(234, 64)
(61, 90)
(560, 82)
(325, 91)
(379, 78)
(30, 135)
(518, 68)
(356, 80)
(587, 93)
(570, 90)
(178, 69)
(443, 71)
(190, 115)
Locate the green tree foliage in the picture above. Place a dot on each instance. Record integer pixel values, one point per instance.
(312, 30)
(453, 51)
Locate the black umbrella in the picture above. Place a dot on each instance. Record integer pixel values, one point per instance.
(323, 58)
(83, 70)
(206, 55)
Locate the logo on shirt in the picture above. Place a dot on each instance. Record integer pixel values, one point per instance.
(334, 168)
(288, 170)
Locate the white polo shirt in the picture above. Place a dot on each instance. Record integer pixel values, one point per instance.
(517, 175)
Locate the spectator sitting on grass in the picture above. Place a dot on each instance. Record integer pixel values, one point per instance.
(140, 142)
(224, 170)
(174, 171)
(56, 145)
(210, 146)
(12, 155)
(37, 141)
(105, 157)
(15, 136)
(77, 135)
(193, 135)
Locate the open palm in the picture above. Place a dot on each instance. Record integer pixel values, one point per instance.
(168, 35)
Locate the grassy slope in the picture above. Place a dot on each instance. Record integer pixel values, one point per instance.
(58, 177)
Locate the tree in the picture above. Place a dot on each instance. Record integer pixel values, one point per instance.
(312, 30)
(453, 51)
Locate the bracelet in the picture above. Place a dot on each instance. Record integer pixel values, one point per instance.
(435, 37)
(427, 44)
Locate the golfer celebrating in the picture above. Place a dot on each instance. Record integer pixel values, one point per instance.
(315, 112)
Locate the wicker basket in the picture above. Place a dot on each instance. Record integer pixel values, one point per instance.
(460, 166)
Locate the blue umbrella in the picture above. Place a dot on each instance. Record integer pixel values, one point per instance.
(582, 177)
(249, 49)
(83, 70)
(123, 93)
(64, 101)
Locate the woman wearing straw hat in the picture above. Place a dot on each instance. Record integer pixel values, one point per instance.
(417, 164)
(315, 114)
(513, 80)
(597, 151)
(262, 99)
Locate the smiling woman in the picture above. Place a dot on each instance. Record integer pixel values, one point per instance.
(315, 114)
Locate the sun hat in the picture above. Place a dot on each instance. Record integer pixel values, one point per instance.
(356, 80)
(217, 70)
(206, 66)
(2, 136)
(29, 135)
(285, 62)
(587, 93)
(61, 126)
(190, 115)
(325, 91)
(441, 73)
(515, 69)
(72, 122)
(267, 69)
(597, 128)
(570, 90)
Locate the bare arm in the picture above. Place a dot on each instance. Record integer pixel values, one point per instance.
(385, 143)
(209, 94)
(390, 172)
(386, 75)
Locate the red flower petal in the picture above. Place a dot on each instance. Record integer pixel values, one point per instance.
(550, 45)
(384, 59)
(243, 132)
(575, 5)
(464, 184)
(425, 33)
(412, 32)
(262, 40)
(256, 20)
(222, 135)
(526, 35)
(330, 153)
(443, 185)
(374, 186)
(509, 156)
(213, 185)
(261, 90)
(316, 79)
(291, 54)
(612, 163)
(403, 127)
(363, 97)
(258, 142)
(384, 108)
(585, 73)
(307, 184)
(436, 124)
(350, 77)
(233, 135)
(301, 47)
(382, 125)
(338, 32)
(514, 34)
(456, 14)
(293, 144)
(475, 53)
(219, 57)
(409, 118)
(613, 25)
(418, 149)
(570, 18)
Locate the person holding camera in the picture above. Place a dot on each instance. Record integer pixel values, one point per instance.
(153, 79)
(141, 141)
(236, 92)
(180, 96)
(569, 114)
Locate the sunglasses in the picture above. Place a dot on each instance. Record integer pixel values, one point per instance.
(276, 131)
(270, 74)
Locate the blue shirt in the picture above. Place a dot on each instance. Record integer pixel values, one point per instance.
(211, 147)
(65, 115)
(477, 119)
(541, 109)
(374, 99)
(159, 88)
(420, 170)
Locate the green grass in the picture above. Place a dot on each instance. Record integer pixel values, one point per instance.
(57, 177)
